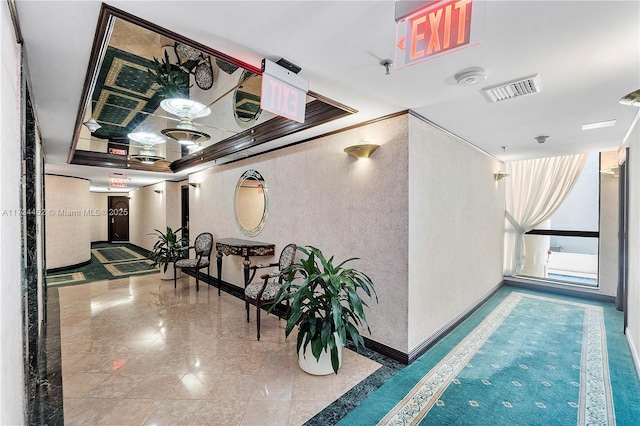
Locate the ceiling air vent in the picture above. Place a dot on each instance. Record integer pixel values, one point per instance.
(513, 89)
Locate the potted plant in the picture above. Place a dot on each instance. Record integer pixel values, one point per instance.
(325, 308)
(168, 247)
(172, 82)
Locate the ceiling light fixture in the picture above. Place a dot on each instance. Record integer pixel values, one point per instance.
(147, 155)
(632, 99)
(147, 139)
(470, 77)
(598, 125)
(186, 110)
(92, 125)
(541, 139)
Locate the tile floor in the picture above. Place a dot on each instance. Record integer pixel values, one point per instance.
(136, 351)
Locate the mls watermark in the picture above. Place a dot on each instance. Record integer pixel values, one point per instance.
(66, 212)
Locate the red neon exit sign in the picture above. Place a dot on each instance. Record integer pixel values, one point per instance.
(438, 28)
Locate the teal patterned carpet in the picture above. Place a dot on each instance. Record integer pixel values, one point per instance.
(523, 358)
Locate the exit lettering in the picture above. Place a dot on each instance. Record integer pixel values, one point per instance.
(282, 99)
(437, 28)
(440, 29)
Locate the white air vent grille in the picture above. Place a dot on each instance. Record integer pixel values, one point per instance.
(513, 89)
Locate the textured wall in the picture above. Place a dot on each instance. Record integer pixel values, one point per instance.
(608, 241)
(320, 196)
(633, 313)
(68, 227)
(148, 211)
(456, 224)
(99, 223)
(11, 303)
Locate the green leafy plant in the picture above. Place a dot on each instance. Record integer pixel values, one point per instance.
(172, 81)
(169, 247)
(325, 303)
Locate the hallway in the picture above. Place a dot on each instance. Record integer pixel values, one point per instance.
(135, 351)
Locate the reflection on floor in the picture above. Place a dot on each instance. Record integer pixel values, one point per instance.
(135, 351)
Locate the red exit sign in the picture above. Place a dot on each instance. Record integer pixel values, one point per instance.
(283, 92)
(440, 27)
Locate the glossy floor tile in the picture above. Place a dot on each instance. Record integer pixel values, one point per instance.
(136, 351)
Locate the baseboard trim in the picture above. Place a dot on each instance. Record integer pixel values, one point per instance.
(426, 344)
(561, 290)
(634, 352)
(386, 350)
(64, 268)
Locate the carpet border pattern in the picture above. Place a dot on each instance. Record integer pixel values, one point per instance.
(134, 255)
(596, 401)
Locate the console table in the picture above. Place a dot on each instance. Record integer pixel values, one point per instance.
(244, 248)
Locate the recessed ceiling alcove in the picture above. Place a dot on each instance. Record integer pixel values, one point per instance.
(136, 72)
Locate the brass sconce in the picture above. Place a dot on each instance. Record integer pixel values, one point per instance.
(500, 175)
(611, 170)
(158, 191)
(195, 184)
(361, 151)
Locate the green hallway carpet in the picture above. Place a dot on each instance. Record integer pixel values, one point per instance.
(522, 358)
(108, 261)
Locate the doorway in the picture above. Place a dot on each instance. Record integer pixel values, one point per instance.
(118, 213)
(184, 201)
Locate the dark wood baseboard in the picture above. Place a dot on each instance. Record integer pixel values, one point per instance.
(64, 268)
(428, 343)
(386, 351)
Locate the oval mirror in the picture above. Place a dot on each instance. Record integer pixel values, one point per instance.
(246, 99)
(251, 203)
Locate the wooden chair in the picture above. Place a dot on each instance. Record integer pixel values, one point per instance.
(264, 293)
(202, 247)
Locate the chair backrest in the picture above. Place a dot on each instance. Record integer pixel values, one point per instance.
(287, 256)
(203, 244)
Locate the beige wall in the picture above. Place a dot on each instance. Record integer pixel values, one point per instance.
(320, 196)
(148, 211)
(456, 224)
(12, 404)
(420, 207)
(99, 219)
(608, 241)
(68, 226)
(633, 311)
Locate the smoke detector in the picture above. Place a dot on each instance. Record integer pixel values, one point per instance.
(470, 77)
(513, 89)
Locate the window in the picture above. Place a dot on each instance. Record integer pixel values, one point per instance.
(564, 248)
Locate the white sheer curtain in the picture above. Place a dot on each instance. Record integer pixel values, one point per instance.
(534, 191)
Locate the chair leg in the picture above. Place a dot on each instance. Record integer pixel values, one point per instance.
(247, 308)
(258, 320)
(174, 276)
(197, 279)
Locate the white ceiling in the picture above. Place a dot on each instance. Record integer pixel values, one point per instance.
(586, 53)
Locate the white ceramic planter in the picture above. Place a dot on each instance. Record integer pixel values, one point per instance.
(320, 367)
(168, 275)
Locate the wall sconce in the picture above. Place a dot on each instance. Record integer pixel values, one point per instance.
(158, 191)
(611, 170)
(195, 184)
(500, 175)
(361, 151)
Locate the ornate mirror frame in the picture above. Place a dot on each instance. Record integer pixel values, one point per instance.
(252, 229)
